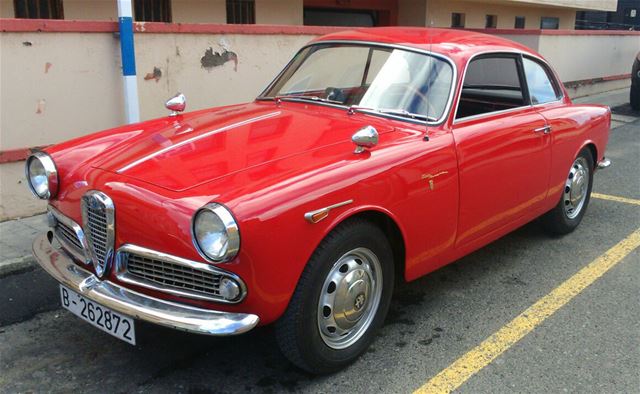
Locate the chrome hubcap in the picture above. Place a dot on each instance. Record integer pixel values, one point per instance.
(575, 188)
(350, 297)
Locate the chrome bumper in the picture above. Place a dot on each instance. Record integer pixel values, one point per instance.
(604, 163)
(182, 317)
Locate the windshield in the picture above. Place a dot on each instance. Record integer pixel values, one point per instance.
(368, 77)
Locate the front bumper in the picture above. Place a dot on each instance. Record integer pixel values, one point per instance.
(182, 317)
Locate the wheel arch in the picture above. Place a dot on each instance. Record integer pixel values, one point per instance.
(594, 151)
(389, 226)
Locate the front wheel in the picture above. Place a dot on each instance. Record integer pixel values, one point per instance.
(568, 214)
(341, 299)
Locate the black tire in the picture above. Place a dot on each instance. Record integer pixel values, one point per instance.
(297, 331)
(557, 221)
(634, 97)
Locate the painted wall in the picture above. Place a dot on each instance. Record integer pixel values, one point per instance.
(439, 12)
(6, 9)
(412, 12)
(95, 10)
(56, 86)
(279, 12)
(199, 11)
(583, 57)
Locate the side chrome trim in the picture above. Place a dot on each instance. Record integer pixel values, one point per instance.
(126, 277)
(139, 306)
(79, 255)
(603, 164)
(454, 76)
(487, 114)
(323, 213)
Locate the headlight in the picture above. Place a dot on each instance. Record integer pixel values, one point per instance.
(215, 233)
(42, 175)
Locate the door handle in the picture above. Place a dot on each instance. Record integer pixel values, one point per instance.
(545, 130)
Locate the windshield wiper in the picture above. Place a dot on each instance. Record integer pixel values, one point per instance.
(394, 111)
(294, 97)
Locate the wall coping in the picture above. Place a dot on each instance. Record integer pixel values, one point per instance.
(87, 26)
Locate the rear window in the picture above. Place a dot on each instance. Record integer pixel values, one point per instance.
(541, 88)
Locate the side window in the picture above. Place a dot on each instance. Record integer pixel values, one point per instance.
(491, 84)
(541, 89)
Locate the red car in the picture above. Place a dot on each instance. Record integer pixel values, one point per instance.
(376, 156)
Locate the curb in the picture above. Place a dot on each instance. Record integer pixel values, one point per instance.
(17, 265)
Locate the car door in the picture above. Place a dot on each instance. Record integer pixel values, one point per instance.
(502, 146)
(548, 100)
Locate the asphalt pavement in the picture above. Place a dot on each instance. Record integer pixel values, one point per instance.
(592, 344)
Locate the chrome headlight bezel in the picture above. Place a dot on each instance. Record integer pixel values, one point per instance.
(232, 232)
(51, 174)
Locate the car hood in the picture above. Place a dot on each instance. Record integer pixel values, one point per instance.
(182, 152)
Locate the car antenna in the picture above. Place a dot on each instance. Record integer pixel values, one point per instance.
(426, 131)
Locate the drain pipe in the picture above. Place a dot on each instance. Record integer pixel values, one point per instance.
(125, 22)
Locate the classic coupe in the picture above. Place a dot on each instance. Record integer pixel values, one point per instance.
(376, 156)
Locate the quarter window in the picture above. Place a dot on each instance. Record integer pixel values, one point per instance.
(541, 89)
(492, 83)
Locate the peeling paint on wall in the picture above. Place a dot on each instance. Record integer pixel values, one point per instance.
(215, 59)
(42, 103)
(156, 74)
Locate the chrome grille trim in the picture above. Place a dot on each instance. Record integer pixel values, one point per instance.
(69, 234)
(98, 222)
(171, 274)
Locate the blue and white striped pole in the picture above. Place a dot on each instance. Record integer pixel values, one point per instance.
(125, 21)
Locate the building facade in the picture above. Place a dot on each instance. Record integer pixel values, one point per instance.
(501, 14)
(626, 17)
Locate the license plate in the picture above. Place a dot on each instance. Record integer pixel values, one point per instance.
(118, 325)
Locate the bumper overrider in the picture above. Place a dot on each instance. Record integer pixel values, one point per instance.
(139, 306)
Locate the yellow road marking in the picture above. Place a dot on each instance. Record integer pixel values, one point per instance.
(615, 198)
(482, 355)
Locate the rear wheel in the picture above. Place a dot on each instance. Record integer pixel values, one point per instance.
(568, 214)
(634, 96)
(341, 299)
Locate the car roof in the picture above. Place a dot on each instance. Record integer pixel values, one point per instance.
(455, 43)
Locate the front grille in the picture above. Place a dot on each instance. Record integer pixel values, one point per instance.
(68, 235)
(172, 275)
(98, 222)
(97, 231)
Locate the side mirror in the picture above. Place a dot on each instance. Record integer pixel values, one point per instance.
(176, 104)
(365, 138)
